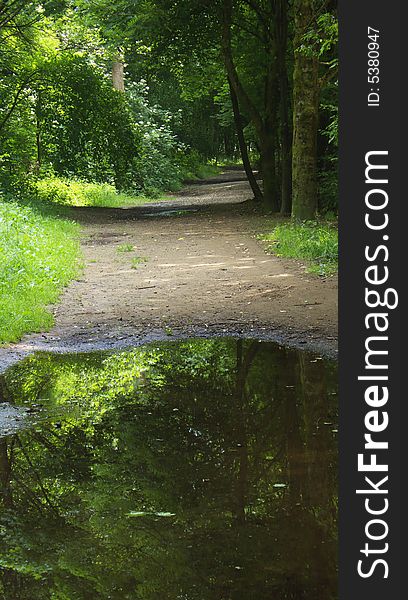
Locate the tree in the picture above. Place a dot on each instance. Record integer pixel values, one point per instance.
(265, 122)
(305, 115)
(281, 33)
(209, 78)
(242, 144)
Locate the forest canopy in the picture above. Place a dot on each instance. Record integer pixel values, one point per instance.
(140, 94)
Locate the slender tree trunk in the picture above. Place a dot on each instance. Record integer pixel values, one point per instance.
(305, 118)
(38, 117)
(242, 144)
(268, 140)
(118, 74)
(286, 129)
(286, 160)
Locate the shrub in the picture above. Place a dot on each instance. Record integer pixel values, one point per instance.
(312, 241)
(73, 192)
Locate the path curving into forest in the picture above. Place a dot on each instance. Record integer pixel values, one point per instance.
(195, 268)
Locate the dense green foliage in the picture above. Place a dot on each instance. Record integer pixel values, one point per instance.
(310, 241)
(74, 192)
(60, 114)
(175, 67)
(38, 256)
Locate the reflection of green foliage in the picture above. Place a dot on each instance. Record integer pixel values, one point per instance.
(153, 474)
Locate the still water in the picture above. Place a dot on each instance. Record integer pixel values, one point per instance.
(193, 470)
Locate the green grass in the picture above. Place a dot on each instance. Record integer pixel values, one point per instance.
(124, 248)
(38, 256)
(138, 260)
(73, 192)
(202, 171)
(208, 170)
(314, 242)
(231, 162)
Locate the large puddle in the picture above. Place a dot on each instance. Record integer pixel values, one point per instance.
(194, 470)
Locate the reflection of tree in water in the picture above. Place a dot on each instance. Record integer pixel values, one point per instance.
(198, 470)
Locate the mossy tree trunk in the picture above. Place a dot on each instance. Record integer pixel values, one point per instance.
(305, 117)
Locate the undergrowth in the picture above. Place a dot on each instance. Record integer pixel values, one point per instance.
(74, 192)
(315, 242)
(38, 256)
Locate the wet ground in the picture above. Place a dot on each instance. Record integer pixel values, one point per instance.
(195, 470)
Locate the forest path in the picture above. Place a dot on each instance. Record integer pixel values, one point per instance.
(195, 268)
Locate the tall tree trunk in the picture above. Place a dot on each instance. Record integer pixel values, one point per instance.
(242, 144)
(286, 160)
(305, 118)
(268, 168)
(286, 129)
(118, 74)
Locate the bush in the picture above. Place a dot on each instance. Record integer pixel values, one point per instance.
(38, 257)
(162, 163)
(193, 166)
(73, 192)
(312, 241)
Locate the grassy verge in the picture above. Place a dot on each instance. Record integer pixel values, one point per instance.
(314, 242)
(73, 192)
(38, 257)
(76, 192)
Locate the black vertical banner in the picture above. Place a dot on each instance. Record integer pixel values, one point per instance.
(373, 273)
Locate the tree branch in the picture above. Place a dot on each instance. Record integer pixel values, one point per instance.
(16, 99)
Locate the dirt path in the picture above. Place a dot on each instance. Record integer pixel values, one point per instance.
(203, 272)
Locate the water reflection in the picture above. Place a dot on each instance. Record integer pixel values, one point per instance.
(197, 470)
